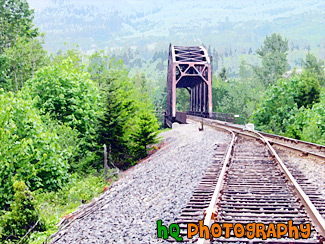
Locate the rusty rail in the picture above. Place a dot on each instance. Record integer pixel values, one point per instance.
(240, 128)
(209, 211)
(313, 213)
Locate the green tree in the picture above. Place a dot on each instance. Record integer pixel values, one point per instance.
(123, 98)
(309, 123)
(145, 133)
(117, 105)
(98, 66)
(245, 71)
(274, 59)
(308, 90)
(223, 74)
(118, 109)
(69, 96)
(21, 52)
(238, 96)
(18, 63)
(72, 54)
(16, 20)
(29, 151)
(283, 100)
(315, 66)
(182, 99)
(140, 81)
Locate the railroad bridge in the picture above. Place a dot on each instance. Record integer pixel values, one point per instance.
(190, 68)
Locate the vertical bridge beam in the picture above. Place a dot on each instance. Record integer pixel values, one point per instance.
(189, 67)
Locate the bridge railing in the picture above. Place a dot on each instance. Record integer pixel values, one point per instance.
(199, 114)
(218, 116)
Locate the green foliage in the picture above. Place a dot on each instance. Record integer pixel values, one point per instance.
(68, 95)
(223, 74)
(23, 216)
(238, 96)
(315, 66)
(279, 111)
(309, 124)
(29, 152)
(274, 59)
(118, 110)
(98, 67)
(120, 119)
(145, 132)
(182, 100)
(69, 138)
(52, 206)
(19, 62)
(21, 53)
(72, 54)
(307, 90)
(140, 81)
(16, 21)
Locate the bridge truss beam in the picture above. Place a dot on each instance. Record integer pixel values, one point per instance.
(190, 68)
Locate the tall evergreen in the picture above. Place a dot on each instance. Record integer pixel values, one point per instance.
(118, 108)
(145, 133)
(113, 122)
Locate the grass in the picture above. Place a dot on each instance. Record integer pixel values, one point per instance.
(52, 206)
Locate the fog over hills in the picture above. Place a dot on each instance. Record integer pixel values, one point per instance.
(241, 25)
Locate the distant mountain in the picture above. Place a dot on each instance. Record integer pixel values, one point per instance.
(223, 24)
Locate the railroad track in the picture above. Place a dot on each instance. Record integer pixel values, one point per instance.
(248, 183)
(304, 148)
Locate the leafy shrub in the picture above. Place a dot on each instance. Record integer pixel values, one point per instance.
(67, 94)
(69, 137)
(282, 102)
(22, 217)
(28, 151)
(309, 124)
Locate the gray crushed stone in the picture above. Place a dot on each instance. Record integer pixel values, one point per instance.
(313, 170)
(157, 188)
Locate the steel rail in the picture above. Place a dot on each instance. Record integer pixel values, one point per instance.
(239, 128)
(209, 211)
(305, 152)
(313, 213)
(272, 142)
(291, 140)
(296, 141)
(317, 220)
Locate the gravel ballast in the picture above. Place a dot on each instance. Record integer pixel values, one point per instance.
(313, 170)
(157, 188)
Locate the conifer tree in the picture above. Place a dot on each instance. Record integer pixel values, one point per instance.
(116, 112)
(145, 133)
(118, 109)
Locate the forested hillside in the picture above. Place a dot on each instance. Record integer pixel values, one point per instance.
(62, 104)
(139, 32)
(59, 115)
(155, 23)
